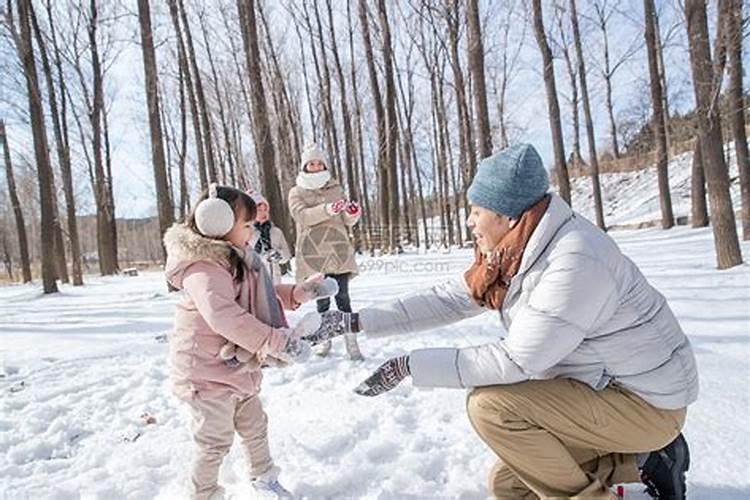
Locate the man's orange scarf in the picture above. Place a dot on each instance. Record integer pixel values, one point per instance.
(489, 276)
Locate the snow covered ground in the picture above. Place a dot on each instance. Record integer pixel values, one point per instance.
(633, 197)
(83, 372)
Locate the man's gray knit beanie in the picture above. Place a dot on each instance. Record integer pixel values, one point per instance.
(510, 181)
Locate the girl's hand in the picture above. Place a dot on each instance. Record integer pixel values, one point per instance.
(353, 208)
(336, 207)
(316, 286)
(296, 351)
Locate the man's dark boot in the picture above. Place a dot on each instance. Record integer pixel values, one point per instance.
(663, 473)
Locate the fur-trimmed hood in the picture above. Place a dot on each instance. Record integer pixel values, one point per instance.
(184, 247)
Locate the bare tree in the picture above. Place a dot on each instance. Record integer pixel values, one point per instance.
(558, 146)
(407, 107)
(220, 103)
(391, 121)
(351, 176)
(709, 125)
(23, 243)
(100, 178)
(41, 149)
(736, 107)
(200, 95)
(698, 210)
(7, 260)
(593, 157)
(508, 59)
(658, 123)
(190, 90)
(163, 199)
(476, 63)
(467, 149)
(604, 11)
(358, 144)
(264, 149)
(382, 161)
(576, 159)
(59, 125)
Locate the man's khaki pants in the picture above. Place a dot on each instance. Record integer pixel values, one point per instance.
(559, 438)
(214, 424)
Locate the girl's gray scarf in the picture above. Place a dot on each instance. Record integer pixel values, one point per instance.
(266, 304)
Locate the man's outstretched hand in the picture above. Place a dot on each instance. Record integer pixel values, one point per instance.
(386, 377)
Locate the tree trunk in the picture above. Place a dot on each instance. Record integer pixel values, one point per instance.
(561, 169)
(345, 117)
(23, 243)
(576, 159)
(310, 108)
(699, 213)
(61, 268)
(476, 63)
(264, 150)
(445, 159)
(593, 156)
(331, 127)
(200, 95)
(382, 166)
(440, 203)
(6, 255)
(61, 265)
(358, 157)
(107, 245)
(326, 129)
(602, 18)
(288, 126)
(392, 130)
(219, 102)
(182, 152)
(406, 209)
(185, 70)
(737, 109)
(109, 183)
(662, 71)
(163, 200)
(59, 122)
(717, 176)
(410, 152)
(467, 150)
(41, 150)
(658, 124)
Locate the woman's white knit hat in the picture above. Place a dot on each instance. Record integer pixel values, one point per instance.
(313, 152)
(214, 217)
(257, 197)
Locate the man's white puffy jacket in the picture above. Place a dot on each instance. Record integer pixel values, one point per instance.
(578, 308)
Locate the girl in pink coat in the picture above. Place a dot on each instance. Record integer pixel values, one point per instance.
(228, 324)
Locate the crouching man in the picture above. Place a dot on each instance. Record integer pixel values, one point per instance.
(590, 386)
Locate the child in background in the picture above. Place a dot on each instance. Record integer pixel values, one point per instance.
(268, 240)
(323, 217)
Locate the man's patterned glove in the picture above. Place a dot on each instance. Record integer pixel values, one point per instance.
(386, 377)
(316, 328)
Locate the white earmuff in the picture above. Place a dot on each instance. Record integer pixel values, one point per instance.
(214, 217)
